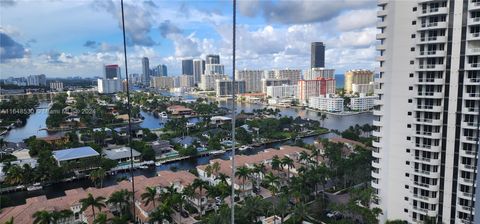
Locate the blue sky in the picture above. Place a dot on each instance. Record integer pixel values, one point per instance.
(62, 38)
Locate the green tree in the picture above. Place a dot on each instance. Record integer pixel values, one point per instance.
(150, 195)
(98, 175)
(120, 199)
(101, 219)
(14, 175)
(162, 213)
(92, 202)
(243, 173)
(289, 163)
(42, 217)
(201, 185)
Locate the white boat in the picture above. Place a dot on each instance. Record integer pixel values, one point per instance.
(163, 115)
(158, 163)
(143, 167)
(35, 187)
(244, 147)
(217, 152)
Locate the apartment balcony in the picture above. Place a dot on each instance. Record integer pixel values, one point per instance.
(431, 148)
(474, 21)
(377, 102)
(376, 133)
(470, 110)
(427, 121)
(375, 174)
(382, 2)
(429, 108)
(379, 91)
(465, 209)
(381, 36)
(381, 24)
(381, 58)
(378, 113)
(473, 36)
(381, 13)
(431, 67)
(432, 25)
(426, 160)
(471, 96)
(375, 184)
(465, 181)
(377, 123)
(426, 199)
(429, 81)
(376, 144)
(376, 165)
(434, 11)
(472, 66)
(427, 134)
(427, 173)
(473, 51)
(465, 195)
(435, 95)
(381, 47)
(425, 54)
(468, 153)
(468, 139)
(473, 5)
(471, 81)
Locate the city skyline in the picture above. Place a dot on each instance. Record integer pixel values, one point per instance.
(170, 32)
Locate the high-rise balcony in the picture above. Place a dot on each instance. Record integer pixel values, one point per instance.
(431, 40)
(474, 21)
(381, 36)
(429, 81)
(381, 13)
(431, 67)
(473, 51)
(427, 134)
(472, 66)
(429, 174)
(378, 112)
(427, 147)
(381, 58)
(381, 47)
(465, 181)
(376, 144)
(434, 11)
(473, 5)
(470, 110)
(428, 121)
(469, 139)
(432, 25)
(469, 124)
(437, 53)
(466, 167)
(382, 2)
(428, 94)
(377, 123)
(473, 36)
(381, 24)
(471, 81)
(468, 153)
(425, 159)
(472, 96)
(429, 108)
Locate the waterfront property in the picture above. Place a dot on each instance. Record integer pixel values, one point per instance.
(121, 155)
(179, 110)
(74, 155)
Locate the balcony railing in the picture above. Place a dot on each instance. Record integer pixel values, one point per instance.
(422, 158)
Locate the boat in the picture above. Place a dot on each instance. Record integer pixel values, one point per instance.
(35, 187)
(217, 152)
(143, 167)
(158, 163)
(244, 148)
(163, 115)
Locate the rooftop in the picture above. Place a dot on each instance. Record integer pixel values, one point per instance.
(74, 153)
(120, 153)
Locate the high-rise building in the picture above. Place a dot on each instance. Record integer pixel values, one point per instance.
(160, 70)
(56, 86)
(362, 102)
(212, 59)
(315, 73)
(211, 69)
(37, 80)
(224, 88)
(294, 75)
(198, 69)
(314, 88)
(163, 82)
(111, 71)
(426, 138)
(317, 55)
(187, 67)
(357, 77)
(208, 82)
(252, 79)
(185, 80)
(327, 103)
(273, 82)
(109, 86)
(281, 92)
(145, 70)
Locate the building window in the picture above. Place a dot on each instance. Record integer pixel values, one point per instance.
(410, 101)
(412, 62)
(408, 138)
(411, 75)
(413, 36)
(409, 113)
(407, 150)
(414, 9)
(405, 210)
(414, 22)
(412, 49)
(406, 187)
(407, 162)
(409, 125)
(410, 88)
(407, 174)
(405, 198)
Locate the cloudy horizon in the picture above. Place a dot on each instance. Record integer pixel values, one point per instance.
(76, 38)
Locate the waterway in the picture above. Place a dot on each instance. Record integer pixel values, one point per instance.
(37, 122)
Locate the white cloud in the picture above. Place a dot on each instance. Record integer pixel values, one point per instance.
(356, 19)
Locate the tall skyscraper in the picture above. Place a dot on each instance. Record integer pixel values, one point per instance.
(198, 69)
(212, 59)
(187, 67)
(111, 71)
(426, 137)
(357, 77)
(317, 55)
(252, 78)
(145, 70)
(159, 70)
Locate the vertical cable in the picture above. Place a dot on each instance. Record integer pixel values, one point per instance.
(129, 129)
(232, 204)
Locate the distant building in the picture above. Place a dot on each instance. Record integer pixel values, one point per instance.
(56, 86)
(179, 110)
(283, 91)
(162, 82)
(145, 70)
(37, 80)
(326, 103)
(317, 55)
(314, 88)
(315, 73)
(108, 86)
(213, 69)
(111, 72)
(294, 75)
(363, 88)
(121, 155)
(273, 82)
(198, 69)
(208, 82)
(225, 87)
(185, 81)
(252, 79)
(269, 74)
(362, 103)
(160, 70)
(357, 77)
(74, 154)
(212, 59)
(187, 67)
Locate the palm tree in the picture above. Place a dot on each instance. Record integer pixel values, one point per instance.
(162, 213)
(316, 154)
(259, 170)
(299, 212)
(101, 219)
(222, 178)
(119, 220)
(93, 202)
(272, 182)
(98, 175)
(14, 175)
(150, 195)
(304, 157)
(120, 199)
(288, 162)
(63, 214)
(10, 221)
(276, 163)
(253, 208)
(200, 185)
(243, 173)
(42, 217)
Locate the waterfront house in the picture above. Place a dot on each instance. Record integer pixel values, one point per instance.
(76, 157)
(179, 110)
(121, 155)
(58, 139)
(160, 147)
(220, 120)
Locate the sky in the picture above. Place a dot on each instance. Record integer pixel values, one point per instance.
(63, 38)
